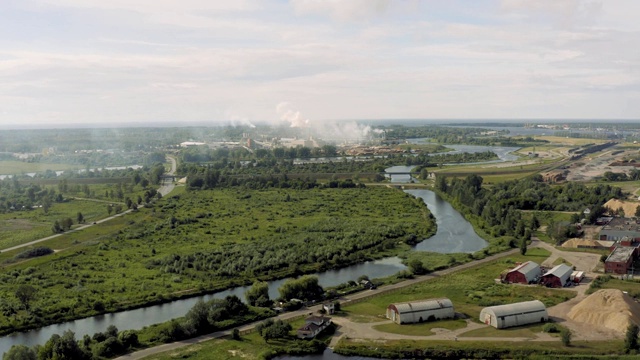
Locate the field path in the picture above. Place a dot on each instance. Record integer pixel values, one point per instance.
(165, 188)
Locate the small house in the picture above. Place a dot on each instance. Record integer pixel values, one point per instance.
(329, 307)
(313, 325)
(518, 314)
(419, 311)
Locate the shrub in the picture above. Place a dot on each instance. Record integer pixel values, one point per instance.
(551, 328)
(35, 252)
(565, 336)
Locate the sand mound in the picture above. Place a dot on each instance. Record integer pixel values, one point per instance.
(609, 308)
(575, 242)
(629, 207)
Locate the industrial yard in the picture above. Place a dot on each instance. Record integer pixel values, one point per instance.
(363, 323)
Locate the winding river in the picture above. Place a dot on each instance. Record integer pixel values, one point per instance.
(454, 234)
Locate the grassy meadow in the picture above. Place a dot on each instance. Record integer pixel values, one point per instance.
(479, 349)
(23, 226)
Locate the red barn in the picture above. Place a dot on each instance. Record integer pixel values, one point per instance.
(524, 273)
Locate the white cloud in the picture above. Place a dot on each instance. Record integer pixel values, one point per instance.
(235, 61)
(342, 9)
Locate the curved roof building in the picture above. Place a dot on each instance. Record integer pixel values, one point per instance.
(518, 314)
(419, 311)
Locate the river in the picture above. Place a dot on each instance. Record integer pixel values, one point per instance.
(454, 234)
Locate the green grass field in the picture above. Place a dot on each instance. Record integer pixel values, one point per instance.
(19, 227)
(632, 287)
(423, 329)
(481, 349)
(529, 331)
(250, 347)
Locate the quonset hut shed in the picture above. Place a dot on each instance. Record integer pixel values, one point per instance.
(518, 314)
(524, 273)
(558, 276)
(419, 311)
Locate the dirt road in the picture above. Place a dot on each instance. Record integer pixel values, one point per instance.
(164, 189)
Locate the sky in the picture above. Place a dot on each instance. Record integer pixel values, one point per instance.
(304, 61)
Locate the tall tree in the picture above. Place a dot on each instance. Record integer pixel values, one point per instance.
(258, 294)
(523, 246)
(26, 294)
(20, 352)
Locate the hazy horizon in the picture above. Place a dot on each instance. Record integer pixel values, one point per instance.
(373, 122)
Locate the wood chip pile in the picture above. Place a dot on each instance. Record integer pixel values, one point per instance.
(610, 308)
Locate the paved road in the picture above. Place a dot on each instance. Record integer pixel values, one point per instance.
(164, 189)
(167, 185)
(345, 300)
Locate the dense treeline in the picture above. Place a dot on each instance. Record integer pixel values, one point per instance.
(498, 206)
(108, 140)
(632, 175)
(442, 134)
(439, 159)
(212, 179)
(15, 196)
(92, 159)
(272, 172)
(460, 135)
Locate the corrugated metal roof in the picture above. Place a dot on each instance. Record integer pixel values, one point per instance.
(517, 308)
(529, 269)
(561, 271)
(423, 305)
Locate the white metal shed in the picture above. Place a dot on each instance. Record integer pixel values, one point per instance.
(518, 314)
(419, 311)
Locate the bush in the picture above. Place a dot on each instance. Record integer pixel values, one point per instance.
(551, 328)
(404, 274)
(565, 336)
(35, 252)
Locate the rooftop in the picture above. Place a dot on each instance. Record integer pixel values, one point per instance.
(621, 254)
(622, 224)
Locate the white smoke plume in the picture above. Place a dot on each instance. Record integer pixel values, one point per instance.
(293, 117)
(331, 131)
(237, 120)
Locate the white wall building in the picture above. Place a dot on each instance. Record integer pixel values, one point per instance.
(419, 311)
(518, 314)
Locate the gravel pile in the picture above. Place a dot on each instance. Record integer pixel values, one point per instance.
(610, 308)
